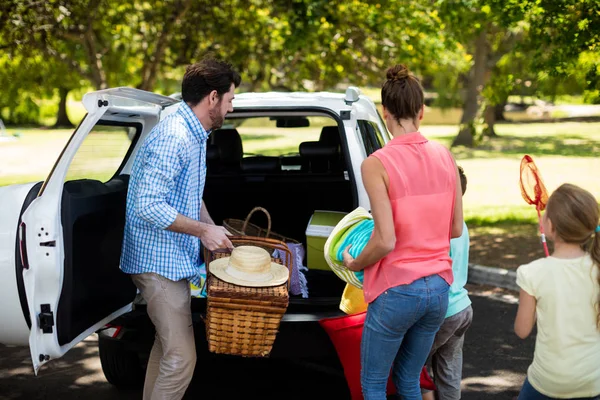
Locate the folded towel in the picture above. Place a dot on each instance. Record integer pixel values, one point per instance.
(353, 300)
(199, 291)
(298, 283)
(356, 229)
(358, 236)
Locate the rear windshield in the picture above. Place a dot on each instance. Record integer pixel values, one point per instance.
(277, 136)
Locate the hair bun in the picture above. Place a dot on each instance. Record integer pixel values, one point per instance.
(397, 72)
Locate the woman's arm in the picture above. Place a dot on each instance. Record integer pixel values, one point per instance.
(457, 215)
(525, 315)
(383, 240)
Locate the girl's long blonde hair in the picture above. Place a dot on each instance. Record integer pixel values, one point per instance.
(574, 214)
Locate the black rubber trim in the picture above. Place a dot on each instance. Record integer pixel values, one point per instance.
(32, 195)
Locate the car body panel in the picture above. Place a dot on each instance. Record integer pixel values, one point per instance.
(15, 330)
(43, 234)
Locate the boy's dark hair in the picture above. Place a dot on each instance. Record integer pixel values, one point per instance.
(207, 75)
(463, 179)
(402, 93)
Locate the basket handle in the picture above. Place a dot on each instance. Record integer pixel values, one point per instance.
(253, 241)
(250, 215)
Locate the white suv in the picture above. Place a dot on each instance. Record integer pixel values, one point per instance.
(61, 238)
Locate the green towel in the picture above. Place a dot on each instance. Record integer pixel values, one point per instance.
(332, 246)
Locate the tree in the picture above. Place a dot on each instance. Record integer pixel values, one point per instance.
(489, 29)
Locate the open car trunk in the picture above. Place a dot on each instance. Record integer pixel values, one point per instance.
(307, 172)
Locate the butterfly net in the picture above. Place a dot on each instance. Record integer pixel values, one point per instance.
(532, 187)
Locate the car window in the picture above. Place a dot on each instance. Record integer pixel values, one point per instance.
(371, 135)
(277, 136)
(103, 151)
(385, 133)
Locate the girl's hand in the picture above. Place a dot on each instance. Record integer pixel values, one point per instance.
(348, 259)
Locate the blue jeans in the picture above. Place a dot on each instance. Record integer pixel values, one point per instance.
(528, 392)
(399, 330)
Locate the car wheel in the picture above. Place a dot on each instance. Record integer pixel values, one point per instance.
(122, 367)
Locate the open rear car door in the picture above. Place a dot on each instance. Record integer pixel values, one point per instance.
(70, 235)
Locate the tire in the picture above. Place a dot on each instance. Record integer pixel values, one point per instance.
(121, 366)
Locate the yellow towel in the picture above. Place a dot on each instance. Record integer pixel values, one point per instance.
(353, 300)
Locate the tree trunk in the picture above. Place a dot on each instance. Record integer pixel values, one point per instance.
(150, 68)
(499, 111)
(475, 84)
(94, 55)
(489, 117)
(62, 118)
(95, 60)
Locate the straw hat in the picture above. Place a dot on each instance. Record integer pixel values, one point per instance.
(249, 266)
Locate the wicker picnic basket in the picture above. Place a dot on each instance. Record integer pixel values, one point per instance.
(244, 320)
(243, 227)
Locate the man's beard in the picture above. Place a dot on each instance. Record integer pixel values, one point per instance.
(216, 118)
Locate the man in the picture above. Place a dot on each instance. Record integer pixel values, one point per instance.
(166, 220)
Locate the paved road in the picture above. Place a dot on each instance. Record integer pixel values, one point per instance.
(495, 365)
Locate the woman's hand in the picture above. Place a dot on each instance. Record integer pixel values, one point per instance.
(348, 259)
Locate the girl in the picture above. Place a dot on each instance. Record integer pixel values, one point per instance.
(562, 292)
(414, 192)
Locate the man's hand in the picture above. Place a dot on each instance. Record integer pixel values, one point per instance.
(214, 237)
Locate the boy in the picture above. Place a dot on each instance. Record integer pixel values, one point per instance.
(446, 354)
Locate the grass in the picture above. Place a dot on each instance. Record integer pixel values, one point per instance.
(564, 152)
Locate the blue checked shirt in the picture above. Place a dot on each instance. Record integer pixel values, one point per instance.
(167, 179)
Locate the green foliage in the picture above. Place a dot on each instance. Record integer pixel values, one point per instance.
(562, 30)
(297, 45)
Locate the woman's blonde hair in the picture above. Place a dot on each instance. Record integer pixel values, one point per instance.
(574, 214)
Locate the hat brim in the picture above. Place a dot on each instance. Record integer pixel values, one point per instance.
(218, 268)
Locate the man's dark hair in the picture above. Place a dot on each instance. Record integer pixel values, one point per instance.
(207, 75)
(463, 179)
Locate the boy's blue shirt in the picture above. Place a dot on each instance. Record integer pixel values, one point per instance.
(458, 297)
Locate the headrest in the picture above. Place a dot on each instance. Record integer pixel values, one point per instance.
(261, 164)
(317, 150)
(229, 143)
(330, 135)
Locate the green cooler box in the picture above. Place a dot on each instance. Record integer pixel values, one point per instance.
(319, 228)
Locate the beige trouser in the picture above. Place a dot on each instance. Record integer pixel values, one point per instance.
(173, 356)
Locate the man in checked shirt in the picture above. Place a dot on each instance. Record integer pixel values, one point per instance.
(166, 220)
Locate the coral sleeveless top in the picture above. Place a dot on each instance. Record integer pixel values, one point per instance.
(422, 190)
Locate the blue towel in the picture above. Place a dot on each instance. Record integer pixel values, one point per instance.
(358, 237)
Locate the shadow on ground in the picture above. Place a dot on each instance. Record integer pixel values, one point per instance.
(495, 365)
(495, 359)
(566, 145)
(505, 247)
(77, 375)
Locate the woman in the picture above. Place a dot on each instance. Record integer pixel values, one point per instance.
(412, 186)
